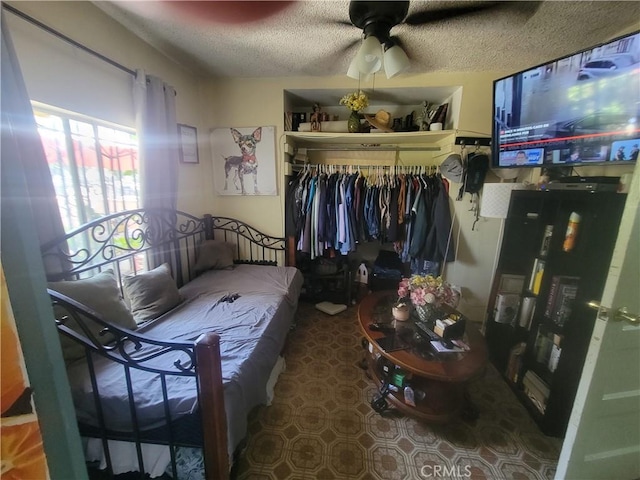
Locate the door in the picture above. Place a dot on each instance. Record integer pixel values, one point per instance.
(603, 436)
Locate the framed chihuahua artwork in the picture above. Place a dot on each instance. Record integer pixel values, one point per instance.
(244, 160)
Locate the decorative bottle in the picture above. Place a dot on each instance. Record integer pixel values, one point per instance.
(572, 232)
(353, 122)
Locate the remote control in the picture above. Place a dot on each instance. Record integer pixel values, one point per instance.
(426, 332)
(381, 327)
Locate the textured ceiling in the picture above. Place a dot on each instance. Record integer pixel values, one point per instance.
(310, 38)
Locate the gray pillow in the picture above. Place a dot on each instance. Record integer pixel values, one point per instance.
(151, 293)
(215, 254)
(100, 293)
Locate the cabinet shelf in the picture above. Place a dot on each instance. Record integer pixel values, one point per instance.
(442, 405)
(587, 265)
(400, 103)
(367, 140)
(541, 370)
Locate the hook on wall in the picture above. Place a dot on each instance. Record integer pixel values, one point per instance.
(477, 141)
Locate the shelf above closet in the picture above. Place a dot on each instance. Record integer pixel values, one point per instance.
(367, 140)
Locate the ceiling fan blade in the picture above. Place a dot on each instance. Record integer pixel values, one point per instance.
(395, 40)
(343, 50)
(339, 23)
(446, 13)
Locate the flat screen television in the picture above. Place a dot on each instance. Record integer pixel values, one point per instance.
(576, 110)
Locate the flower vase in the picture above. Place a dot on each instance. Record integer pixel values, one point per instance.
(353, 122)
(426, 312)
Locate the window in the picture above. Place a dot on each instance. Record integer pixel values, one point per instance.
(94, 166)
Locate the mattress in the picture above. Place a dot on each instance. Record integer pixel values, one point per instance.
(252, 328)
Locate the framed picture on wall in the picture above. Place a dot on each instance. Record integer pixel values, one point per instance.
(188, 143)
(244, 160)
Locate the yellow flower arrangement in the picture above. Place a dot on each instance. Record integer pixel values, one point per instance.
(355, 101)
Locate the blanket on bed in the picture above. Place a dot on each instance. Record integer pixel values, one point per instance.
(252, 327)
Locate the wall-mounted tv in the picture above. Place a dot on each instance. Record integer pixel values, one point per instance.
(582, 109)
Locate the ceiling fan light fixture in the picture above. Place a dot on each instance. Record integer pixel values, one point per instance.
(353, 71)
(395, 61)
(369, 56)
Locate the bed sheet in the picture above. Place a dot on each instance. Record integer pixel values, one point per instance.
(252, 328)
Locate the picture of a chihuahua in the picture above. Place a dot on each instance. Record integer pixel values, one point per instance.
(246, 162)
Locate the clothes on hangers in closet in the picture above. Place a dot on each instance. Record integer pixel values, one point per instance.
(335, 211)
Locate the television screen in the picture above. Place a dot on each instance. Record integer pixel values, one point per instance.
(580, 109)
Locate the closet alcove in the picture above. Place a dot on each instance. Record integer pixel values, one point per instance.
(379, 158)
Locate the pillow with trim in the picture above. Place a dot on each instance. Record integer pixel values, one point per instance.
(151, 293)
(215, 255)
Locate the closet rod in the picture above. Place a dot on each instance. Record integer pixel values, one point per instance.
(63, 37)
(372, 149)
(298, 166)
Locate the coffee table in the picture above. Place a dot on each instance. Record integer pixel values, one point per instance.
(442, 377)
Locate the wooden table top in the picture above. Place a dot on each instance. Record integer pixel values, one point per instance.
(446, 367)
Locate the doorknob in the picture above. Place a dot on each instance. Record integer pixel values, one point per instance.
(623, 314)
(620, 314)
(594, 304)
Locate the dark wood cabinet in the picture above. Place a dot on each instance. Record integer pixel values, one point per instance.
(539, 323)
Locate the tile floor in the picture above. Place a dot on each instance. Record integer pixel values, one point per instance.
(321, 426)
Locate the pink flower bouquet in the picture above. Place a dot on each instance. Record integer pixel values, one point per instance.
(423, 289)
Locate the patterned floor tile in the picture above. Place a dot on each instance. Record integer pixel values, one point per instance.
(348, 458)
(539, 445)
(266, 447)
(307, 453)
(347, 422)
(321, 425)
(475, 468)
(498, 439)
(383, 429)
(516, 470)
(389, 462)
(312, 418)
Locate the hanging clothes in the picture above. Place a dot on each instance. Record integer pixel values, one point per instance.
(336, 211)
(439, 246)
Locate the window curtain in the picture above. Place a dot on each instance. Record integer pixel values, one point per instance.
(155, 107)
(23, 159)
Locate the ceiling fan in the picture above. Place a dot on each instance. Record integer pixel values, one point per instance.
(377, 18)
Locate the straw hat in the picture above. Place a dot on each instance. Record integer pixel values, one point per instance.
(381, 120)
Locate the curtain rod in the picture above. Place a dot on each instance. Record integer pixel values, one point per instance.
(63, 37)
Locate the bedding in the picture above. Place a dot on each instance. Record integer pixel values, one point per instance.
(151, 393)
(253, 327)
